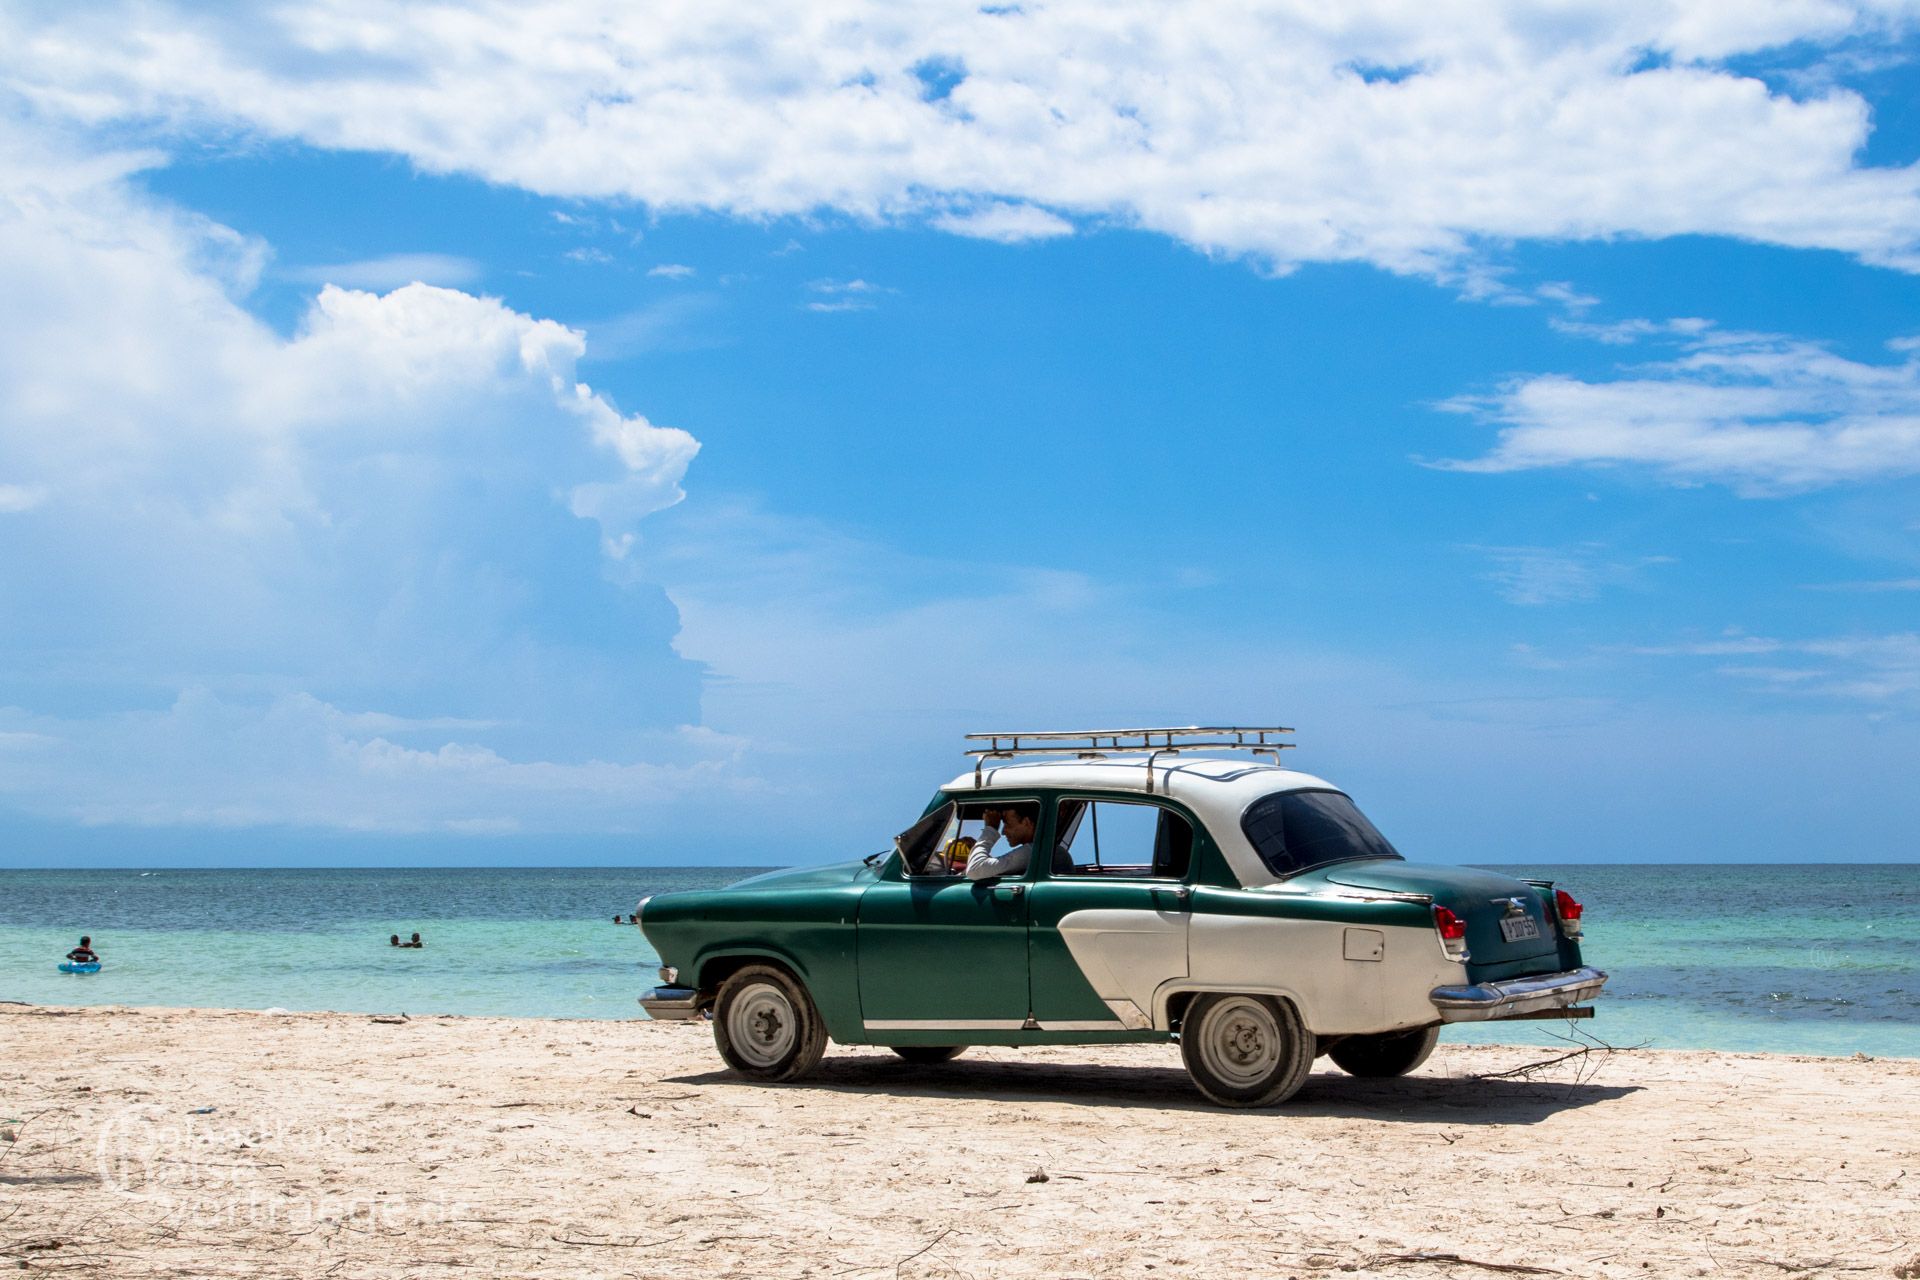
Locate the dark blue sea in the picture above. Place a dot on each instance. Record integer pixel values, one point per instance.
(1800, 959)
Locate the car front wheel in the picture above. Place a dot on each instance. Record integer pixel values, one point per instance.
(929, 1054)
(1393, 1053)
(1245, 1051)
(765, 1025)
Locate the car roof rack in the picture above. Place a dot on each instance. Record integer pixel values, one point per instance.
(1097, 744)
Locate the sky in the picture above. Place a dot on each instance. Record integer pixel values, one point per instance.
(572, 433)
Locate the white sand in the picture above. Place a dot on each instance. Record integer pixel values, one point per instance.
(345, 1147)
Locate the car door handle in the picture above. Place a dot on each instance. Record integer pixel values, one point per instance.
(1008, 892)
(1179, 896)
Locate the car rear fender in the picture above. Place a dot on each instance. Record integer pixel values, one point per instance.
(1350, 967)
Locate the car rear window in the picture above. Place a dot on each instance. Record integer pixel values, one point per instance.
(1296, 830)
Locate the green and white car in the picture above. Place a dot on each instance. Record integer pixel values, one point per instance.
(1246, 911)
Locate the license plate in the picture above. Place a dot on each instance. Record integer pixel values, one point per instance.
(1519, 928)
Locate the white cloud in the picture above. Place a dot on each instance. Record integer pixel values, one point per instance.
(20, 497)
(382, 510)
(847, 287)
(295, 761)
(1289, 131)
(1620, 333)
(845, 295)
(672, 271)
(1005, 223)
(1561, 575)
(1882, 671)
(588, 257)
(1761, 413)
(392, 271)
(1872, 587)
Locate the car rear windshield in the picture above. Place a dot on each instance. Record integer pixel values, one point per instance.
(1296, 830)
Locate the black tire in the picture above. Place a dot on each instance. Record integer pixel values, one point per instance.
(928, 1055)
(1393, 1053)
(766, 1026)
(1245, 1051)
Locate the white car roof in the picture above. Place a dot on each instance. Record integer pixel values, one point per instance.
(1217, 789)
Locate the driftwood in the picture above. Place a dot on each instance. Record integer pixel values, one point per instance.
(1454, 1259)
(922, 1249)
(1586, 1065)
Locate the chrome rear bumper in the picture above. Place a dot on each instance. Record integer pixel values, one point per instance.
(1485, 1001)
(671, 1004)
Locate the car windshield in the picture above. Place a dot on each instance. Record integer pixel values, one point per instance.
(1294, 831)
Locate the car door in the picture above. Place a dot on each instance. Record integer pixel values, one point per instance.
(941, 955)
(1108, 917)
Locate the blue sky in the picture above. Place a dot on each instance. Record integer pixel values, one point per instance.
(535, 435)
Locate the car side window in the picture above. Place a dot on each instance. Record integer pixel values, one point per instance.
(939, 845)
(1125, 838)
(920, 843)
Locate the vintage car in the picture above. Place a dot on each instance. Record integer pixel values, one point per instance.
(1246, 911)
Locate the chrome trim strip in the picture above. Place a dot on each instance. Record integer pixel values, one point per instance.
(1002, 1024)
(950, 1024)
(671, 1004)
(1486, 1001)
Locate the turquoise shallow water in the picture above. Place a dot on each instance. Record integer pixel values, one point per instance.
(1803, 959)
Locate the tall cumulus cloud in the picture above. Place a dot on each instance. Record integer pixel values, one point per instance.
(409, 507)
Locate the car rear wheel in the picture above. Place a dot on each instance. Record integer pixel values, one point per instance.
(765, 1025)
(1392, 1054)
(1245, 1051)
(928, 1054)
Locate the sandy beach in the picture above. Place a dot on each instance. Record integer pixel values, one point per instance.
(341, 1145)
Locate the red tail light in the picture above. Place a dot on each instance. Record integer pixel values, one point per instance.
(1569, 911)
(1453, 932)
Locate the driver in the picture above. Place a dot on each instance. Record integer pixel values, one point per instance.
(1017, 822)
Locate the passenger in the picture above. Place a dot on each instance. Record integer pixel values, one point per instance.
(1018, 822)
(83, 954)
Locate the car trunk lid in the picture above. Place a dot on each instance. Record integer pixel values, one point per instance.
(1484, 899)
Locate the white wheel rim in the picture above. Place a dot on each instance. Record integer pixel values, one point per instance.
(762, 1026)
(1240, 1042)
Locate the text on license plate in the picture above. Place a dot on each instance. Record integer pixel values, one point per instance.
(1519, 928)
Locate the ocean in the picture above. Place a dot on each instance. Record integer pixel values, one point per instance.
(1789, 959)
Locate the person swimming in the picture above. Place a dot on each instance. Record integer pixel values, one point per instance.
(393, 940)
(83, 954)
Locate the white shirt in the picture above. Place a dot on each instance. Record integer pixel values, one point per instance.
(982, 865)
